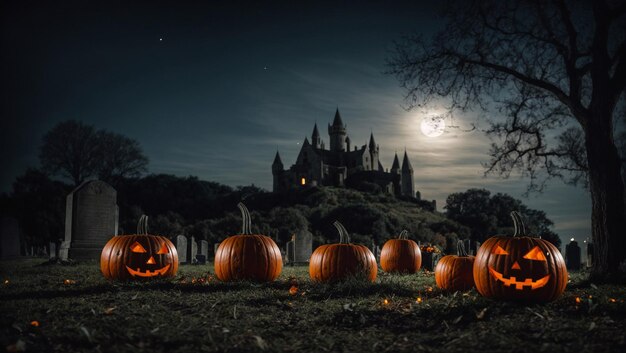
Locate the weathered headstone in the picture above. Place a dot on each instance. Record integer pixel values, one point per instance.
(10, 238)
(589, 254)
(572, 255)
(193, 250)
(215, 247)
(291, 251)
(90, 220)
(204, 248)
(53, 250)
(303, 247)
(181, 248)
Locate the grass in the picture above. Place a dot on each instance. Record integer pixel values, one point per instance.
(195, 312)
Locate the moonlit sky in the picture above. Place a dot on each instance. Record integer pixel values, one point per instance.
(231, 82)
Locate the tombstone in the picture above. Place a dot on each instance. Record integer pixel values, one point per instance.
(53, 250)
(589, 254)
(90, 220)
(181, 248)
(192, 250)
(9, 238)
(303, 247)
(291, 251)
(572, 256)
(215, 247)
(204, 248)
(377, 254)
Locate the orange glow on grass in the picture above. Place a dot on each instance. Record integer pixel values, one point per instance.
(578, 300)
(34, 323)
(418, 300)
(293, 290)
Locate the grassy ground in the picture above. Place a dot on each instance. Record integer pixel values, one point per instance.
(73, 309)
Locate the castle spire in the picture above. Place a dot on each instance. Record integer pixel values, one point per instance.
(316, 140)
(395, 167)
(277, 161)
(337, 121)
(372, 144)
(406, 165)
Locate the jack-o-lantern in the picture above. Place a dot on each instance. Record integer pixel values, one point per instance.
(455, 272)
(334, 262)
(401, 255)
(248, 256)
(139, 256)
(521, 267)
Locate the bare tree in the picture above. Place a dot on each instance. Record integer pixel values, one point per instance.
(70, 150)
(120, 157)
(555, 71)
(78, 152)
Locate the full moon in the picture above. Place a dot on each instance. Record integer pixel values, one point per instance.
(433, 126)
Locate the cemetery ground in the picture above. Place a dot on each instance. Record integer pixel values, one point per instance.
(47, 308)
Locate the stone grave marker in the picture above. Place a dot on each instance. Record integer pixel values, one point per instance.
(9, 237)
(53, 250)
(90, 220)
(181, 248)
(572, 255)
(291, 251)
(193, 250)
(204, 248)
(303, 247)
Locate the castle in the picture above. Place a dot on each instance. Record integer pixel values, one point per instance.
(341, 166)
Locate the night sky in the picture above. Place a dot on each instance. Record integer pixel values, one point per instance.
(213, 90)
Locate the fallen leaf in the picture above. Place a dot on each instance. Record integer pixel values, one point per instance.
(34, 323)
(592, 326)
(85, 331)
(134, 296)
(260, 342)
(109, 311)
(481, 314)
(457, 320)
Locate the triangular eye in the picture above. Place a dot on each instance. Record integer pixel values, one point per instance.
(163, 250)
(136, 247)
(535, 254)
(500, 251)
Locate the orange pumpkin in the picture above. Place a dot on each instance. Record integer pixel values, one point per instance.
(335, 262)
(455, 272)
(401, 255)
(139, 256)
(520, 268)
(248, 256)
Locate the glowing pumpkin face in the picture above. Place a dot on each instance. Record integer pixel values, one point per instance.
(519, 268)
(139, 256)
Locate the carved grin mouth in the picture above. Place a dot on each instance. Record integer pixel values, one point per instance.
(148, 273)
(519, 285)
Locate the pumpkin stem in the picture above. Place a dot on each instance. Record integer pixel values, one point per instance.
(518, 224)
(344, 237)
(460, 248)
(404, 234)
(142, 225)
(246, 228)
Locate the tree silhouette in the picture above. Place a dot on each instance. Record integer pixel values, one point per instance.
(557, 71)
(78, 152)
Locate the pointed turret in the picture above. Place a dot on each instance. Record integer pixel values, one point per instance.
(380, 167)
(277, 161)
(406, 165)
(277, 172)
(372, 144)
(337, 132)
(306, 142)
(337, 121)
(408, 189)
(316, 140)
(395, 167)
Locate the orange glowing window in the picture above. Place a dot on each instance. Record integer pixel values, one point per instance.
(136, 247)
(163, 250)
(535, 254)
(303, 181)
(500, 251)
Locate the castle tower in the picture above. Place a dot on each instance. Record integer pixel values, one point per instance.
(407, 177)
(277, 171)
(337, 132)
(373, 147)
(316, 140)
(395, 168)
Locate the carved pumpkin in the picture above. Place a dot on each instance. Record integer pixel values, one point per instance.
(334, 262)
(521, 267)
(248, 256)
(455, 272)
(139, 256)
(401, 255)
